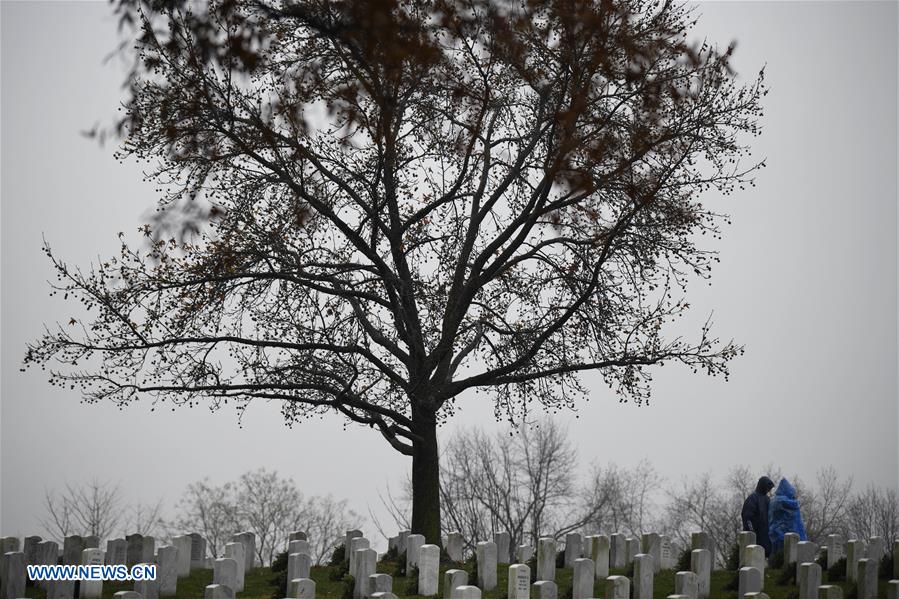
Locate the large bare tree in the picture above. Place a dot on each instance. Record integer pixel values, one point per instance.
(404, 202)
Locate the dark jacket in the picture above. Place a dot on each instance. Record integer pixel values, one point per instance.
(755, 513)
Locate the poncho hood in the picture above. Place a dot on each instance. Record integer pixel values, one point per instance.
(785, 489)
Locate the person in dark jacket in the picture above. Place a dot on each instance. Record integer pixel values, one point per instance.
(755, 513)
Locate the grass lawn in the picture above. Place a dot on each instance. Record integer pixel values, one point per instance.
(260, 584)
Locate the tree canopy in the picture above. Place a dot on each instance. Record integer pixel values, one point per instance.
(394, 203)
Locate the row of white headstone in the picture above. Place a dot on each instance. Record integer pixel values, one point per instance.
(693, 584)
(186, 553)
(590, 557)
(862, 565)
(612, 551)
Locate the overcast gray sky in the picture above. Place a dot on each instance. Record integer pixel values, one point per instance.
(807, 281)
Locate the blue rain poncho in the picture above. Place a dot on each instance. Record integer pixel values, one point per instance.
(784, 515)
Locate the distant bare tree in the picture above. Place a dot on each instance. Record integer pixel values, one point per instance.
(886, 515)
(874, 512)
(266, 503)
(825, 507)
(623, 500)
(519, 482)
(144, 519)
(697, 505)
(93, 508)
(325, 519)
(211, 511)
(97, 508)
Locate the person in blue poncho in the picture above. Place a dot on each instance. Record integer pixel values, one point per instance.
(784, 515)
(755, 513)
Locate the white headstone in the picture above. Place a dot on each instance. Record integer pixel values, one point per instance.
(574, 548)
(687, 584)
(486, 555)
(402, 541)
(454, 546)
(524, 553)
(744, 539)
(91, 589)
(12, 574)
(631, 549)
(348, 537)
(301, 588)
(300, 546)
(116, 552)
(791, 540)
(668, 559)
(366, 563)
(809, 580)
(453, 579)
(867, 577)
(583, 578)
(413, 544)
(127, 595)
(149, 550)
(502, 540)
(297, 535)
(197, 551)
(224, 572)
(701, 564)
(167, 570)
(702, 540)
(834, 549)
(47, 554)
(617, 587)
(806, 551)
(546, 558)
(72, 548)
(237, 551)
(149, 588)
(896, 559)
(29, 548)
(876, 547)
(380, 583)
(428, 570)
(855, 550)
(218, 591)
(617, 551)
(519, 582)
(383, 596)
(644, 571)
(546, 589)
(753, 556)
(652, 545)
(9, 545)
(356, 543)
(597, 547)
(892, 587)
(830, 592)
(466, 592)
(299, 565)
(751, 581)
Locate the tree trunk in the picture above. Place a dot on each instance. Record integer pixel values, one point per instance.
(426, 478)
